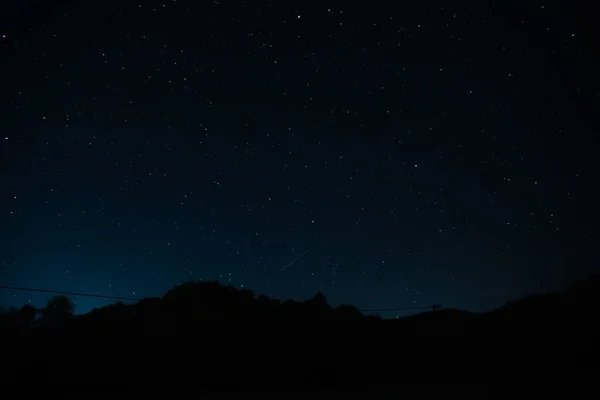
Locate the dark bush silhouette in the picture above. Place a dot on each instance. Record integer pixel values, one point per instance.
(28, 315)
(348, 312)
(58, 309)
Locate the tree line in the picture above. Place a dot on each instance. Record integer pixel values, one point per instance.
(57, 308)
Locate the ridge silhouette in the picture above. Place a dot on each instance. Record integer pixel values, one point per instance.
(212, 334)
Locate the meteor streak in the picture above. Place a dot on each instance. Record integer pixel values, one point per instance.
(161, 278)
(294, 260)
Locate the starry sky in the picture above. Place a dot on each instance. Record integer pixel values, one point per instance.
(408, 153)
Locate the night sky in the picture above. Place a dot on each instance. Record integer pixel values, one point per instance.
(410, 153)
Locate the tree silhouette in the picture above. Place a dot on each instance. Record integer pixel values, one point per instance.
(58, 308)
(319, 300)
(27, 315)
(346, 311)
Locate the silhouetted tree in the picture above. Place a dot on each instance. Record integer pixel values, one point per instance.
(317, 307)
(58, 308)
(27, 315)
(347, 312)
(9, 320)
(319, 300)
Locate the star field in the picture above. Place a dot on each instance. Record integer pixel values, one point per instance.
(415, 154)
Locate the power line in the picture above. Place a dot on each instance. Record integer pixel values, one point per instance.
(398, 309)
(100, 296)
(68, 293)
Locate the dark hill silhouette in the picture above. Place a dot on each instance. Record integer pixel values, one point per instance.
(204, 333)
(439, 323)
(575, 308)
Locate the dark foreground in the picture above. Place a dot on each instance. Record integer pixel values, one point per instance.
(350, 357)
(210, 337)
